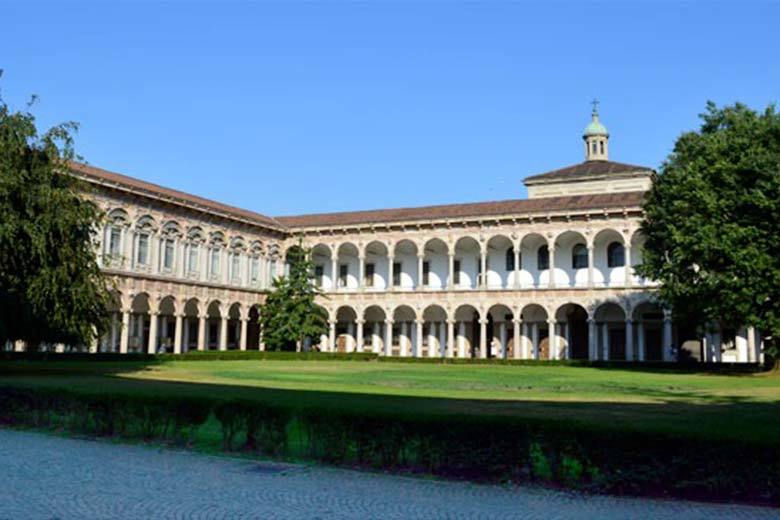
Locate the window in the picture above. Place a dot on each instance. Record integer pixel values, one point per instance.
(319, 274)
(254, 269)
(214, 262)
(272, 270)
(235, 267)
(510, 259)
(343, 273)
(426, 274)
(543, 258)
(168, 252)
(114, 242)
(456, 272)
(143, 249)
(594, 147)
(192, 263)
(396, 274)
(579, 257)
(616, 255)
(368, 276)
(602, 147)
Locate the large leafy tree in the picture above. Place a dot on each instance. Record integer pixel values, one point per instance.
(712, 221)
(51, 288)
(290, 313)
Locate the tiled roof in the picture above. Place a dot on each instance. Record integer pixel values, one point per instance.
(517, 207)
(587, 169)
(174, 195)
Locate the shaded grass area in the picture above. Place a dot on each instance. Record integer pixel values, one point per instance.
(740, 407)
(630, 430)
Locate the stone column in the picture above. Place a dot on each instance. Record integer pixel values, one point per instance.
(388, 338)
(552, 339)
(516, 253)
(551, 255)
(502, 339)
(526, 346)
(442, 341)
(202, 331)
(535, 340)
(332, 336)
(741, 343)
(359, 336)
(628, 280)
(450, 349)
(420, 261)
(334, 267)
(483, 339)
(375, 332)
(432, 339)
(591, 266)
(242, 334)
(451, 277)
(516, 338)
(361, 271)
(592, 344)
(483, 267)
(114, 331)
(640, 340)
(350, 347)
(629, 340)
(753, 354)
(605, 339)
(390, 261)
(404, 339)
(461, 339)
(186, 340)
(177, 334)
(153, 316)
(667, 343)
(418, 339)
(223, 331)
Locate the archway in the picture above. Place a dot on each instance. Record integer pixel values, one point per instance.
(466, 271)
(374, 329)
(571, 260)
(535, 332)
(611, 331)
(376, 268)
(499, 331)
(532, 274)
(191, 318)
(348, 266)
(321, 257)
(573, 319)
(608, 269)
(467, 331)
(648, 328)
(434, 341)
(346, 337)
(405, 268)
(437, 261)
(138, 336)
(500, 262)
(403, 340)
(166, 327)
(213, 325)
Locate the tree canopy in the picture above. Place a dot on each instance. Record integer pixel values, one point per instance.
(51, 288)
(712, 221)
(290, 314)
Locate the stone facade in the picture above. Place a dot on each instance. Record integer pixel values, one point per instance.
(545, 278)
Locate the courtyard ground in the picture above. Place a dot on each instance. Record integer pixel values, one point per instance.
(52, 477)
(741, 406)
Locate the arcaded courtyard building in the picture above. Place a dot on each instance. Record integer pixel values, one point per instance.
(548, 277)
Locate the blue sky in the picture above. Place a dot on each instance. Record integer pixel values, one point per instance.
(287, 108)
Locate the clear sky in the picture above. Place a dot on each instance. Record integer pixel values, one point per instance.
(287, 108)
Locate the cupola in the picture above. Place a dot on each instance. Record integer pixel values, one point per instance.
(596, 137)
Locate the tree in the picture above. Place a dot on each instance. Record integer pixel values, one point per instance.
(712, 222)
(51, 288)
(290, 313)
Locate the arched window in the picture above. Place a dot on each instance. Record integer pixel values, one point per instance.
(543, 258)
(579, 257)
(616, 255)
(510, 259)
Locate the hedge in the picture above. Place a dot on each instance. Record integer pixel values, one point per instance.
(498, 449)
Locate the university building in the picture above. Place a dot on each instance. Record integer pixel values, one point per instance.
(548, 277)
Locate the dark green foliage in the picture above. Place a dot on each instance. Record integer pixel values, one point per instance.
(290, 314)
(712, 219)
(484, 449)
(51, 288)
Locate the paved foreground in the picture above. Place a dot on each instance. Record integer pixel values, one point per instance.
(51, 477)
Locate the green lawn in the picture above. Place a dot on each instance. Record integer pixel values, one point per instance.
(741, 406)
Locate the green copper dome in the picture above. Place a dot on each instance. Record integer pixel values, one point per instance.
(595, 127)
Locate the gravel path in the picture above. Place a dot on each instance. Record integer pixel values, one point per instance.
(57, 478)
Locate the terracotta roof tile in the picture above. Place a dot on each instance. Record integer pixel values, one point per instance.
(175, 195)
(587, 169)
(480, 209)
